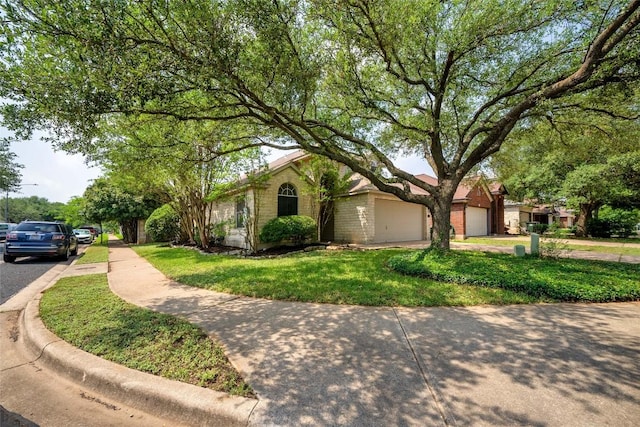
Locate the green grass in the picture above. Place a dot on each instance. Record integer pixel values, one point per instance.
(557, 280)
(339, 277)
(96, 252)
(82, 311)
(571, 244)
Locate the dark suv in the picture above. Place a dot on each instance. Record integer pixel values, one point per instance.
(40, 238)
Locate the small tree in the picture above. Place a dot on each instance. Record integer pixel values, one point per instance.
(324, 183)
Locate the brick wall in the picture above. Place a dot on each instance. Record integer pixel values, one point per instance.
(479, 198)
(458, 219)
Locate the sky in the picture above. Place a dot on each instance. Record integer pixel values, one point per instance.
(60, 176)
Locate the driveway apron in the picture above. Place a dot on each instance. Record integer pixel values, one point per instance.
(313, 364)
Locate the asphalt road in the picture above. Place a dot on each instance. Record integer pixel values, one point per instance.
(14, 277)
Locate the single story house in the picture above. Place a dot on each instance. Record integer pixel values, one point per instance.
(518, 214)
(364, 214)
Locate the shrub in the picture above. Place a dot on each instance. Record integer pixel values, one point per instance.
(163, 224)
(597, 227)
(539, 228)
(618, 222)
(295, 228)
(622, 223)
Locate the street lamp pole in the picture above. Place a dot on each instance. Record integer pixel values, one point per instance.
(6, 202)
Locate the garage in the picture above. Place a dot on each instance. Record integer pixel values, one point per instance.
(477, 221)
(397, 221)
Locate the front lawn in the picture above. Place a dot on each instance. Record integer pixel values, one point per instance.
(560, 280)
(364, 278)
(84, 312)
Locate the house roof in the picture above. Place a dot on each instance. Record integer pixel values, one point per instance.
(360, 184)
(286, 160)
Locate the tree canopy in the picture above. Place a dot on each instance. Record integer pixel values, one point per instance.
(10, 175)
(582, 160)
(109, 199)
(356, 81)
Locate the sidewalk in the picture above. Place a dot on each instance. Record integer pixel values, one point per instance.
(311, 364)
(325, 365)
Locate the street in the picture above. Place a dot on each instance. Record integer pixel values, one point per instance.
(31, 394)
(14, 277)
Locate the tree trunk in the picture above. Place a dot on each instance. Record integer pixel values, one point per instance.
(129, 231)
(586, 213)
(440, 232)
(441, 215)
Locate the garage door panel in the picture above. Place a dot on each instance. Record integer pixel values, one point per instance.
(476, 221)
(397, 221)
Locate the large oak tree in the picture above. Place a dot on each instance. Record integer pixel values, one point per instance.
(356, 81)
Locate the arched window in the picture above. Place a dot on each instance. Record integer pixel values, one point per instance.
(287, 200)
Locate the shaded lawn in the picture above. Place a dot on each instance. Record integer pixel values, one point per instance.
(339, 277)
(85, 313)
(563, 279)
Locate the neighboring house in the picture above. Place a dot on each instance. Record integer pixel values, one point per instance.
(518, 214)
(363, 214)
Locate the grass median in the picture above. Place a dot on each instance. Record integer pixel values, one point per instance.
(98, 251)
(85, 313)
(364, 277)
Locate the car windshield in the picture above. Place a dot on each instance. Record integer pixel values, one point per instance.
(38, 227)
(82, 231)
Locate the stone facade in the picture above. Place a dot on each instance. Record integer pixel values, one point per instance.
(354, 220)
(261, 199)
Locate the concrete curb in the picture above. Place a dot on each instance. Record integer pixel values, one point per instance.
(183, 403)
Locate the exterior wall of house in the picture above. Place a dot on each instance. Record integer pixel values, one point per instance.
(141, 236)
(354, 220)
(566, 221)
(458, 220)
(226, 212)
(497, 215)
(478, 198)
(268, 198)
(512, 219)
(515, 217)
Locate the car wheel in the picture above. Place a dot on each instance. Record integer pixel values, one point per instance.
(65, 256)
(75, 251)
(8, 258)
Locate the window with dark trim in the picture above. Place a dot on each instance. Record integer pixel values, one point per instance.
(241, 213)
(287, 200)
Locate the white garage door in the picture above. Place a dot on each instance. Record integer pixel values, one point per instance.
(476, 221)
(397, 221)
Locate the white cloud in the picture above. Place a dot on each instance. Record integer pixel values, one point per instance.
(59, 176)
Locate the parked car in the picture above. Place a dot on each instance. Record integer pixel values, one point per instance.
(83, 235)
(93, 230)
(42, 239)
(6, 227)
